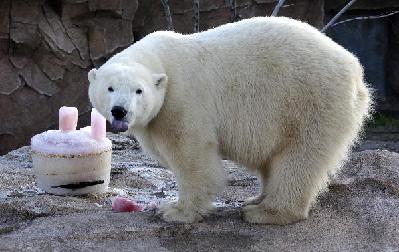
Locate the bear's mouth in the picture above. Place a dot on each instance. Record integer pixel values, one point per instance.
(120, 125)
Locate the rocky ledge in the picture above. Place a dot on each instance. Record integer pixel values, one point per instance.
(359, 211)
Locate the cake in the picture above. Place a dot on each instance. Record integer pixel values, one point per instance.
(73, 162)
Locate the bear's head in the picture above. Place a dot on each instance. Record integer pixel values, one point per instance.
(129, 96)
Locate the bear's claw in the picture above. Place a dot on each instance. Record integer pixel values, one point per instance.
(253, 200)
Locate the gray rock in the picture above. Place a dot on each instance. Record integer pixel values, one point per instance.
(37, 80)
(95, 5)
(266, 1)
(45, 57)
(27, 12)
(4, 17)
(19, 55)
(359, 211)
(27, 34)
(106, 35)
(53, 67)
(54, 32)
(8, 77)
(129, 8)
(80, 41)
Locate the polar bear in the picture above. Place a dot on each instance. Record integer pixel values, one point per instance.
(270, 93)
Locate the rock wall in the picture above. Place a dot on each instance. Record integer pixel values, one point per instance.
(46, 49)
(48, 46)
(150, 14)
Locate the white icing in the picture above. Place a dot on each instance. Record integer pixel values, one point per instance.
(72, 142)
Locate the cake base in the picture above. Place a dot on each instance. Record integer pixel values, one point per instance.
(72, 174)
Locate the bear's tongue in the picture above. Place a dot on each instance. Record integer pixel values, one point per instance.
(120, 125)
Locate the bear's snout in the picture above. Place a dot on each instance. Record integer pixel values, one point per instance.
(118, 112)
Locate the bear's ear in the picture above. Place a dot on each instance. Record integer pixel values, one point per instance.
(160, 79)
(92, 75)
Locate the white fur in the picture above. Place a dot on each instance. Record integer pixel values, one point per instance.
(271, 93)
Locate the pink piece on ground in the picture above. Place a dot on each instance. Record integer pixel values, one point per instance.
(98, 125)
(68, 118)
(120, 204)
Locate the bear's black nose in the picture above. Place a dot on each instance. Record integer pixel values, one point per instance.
(118, 112)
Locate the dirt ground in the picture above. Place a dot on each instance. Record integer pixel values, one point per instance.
(359, 211)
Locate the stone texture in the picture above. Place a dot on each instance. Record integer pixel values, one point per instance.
(53, 31)
(26, 12)
(27, 34)
(358, 212)
(4, 18)
(45, 49)
(51, 66)
(8, 77)
(106, 35)
(37, 80)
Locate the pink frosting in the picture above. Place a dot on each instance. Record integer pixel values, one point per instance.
(68, 140)
(71, 142)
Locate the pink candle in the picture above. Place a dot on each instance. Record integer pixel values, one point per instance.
(68, 118)
(98, 125)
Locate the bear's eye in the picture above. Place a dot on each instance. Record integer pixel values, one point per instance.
(139, 91)
(110, 89)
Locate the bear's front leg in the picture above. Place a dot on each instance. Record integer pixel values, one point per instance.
(199, 176)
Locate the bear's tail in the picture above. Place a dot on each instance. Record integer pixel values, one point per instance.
(361, 112)
(363, 104)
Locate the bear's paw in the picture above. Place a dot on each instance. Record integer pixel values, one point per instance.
(265, 215)
(178, 212)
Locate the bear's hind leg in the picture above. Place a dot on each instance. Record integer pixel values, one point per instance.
(263, 177)
(296, 177)
(199, 174)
